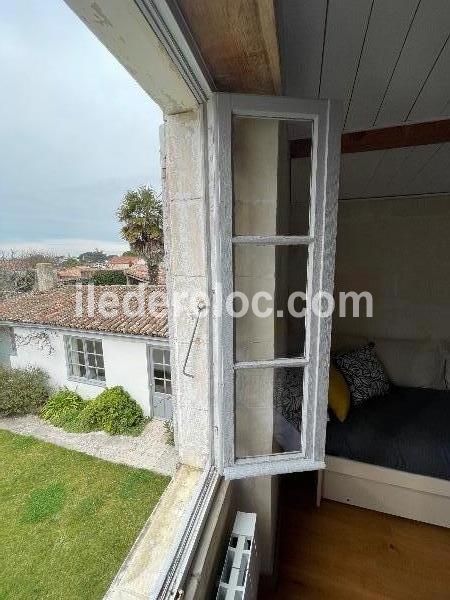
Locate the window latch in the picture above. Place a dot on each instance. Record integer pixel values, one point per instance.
(200, 307)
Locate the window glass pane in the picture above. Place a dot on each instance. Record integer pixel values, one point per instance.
(167, 357)
(168, 387)
(98, 348)
(76, 344)
(268, 411)
(100, 362)
(79, 357)
(159, 385)
(101, 374)
(91, 360)
(158, 356)
(167, 371)
(92, 373)
(90, 346)
(158, 372)
(272, 280)
(269, 199)
(81, 371)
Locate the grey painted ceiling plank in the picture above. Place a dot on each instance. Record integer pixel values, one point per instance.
(390, 166)
(408, 180)
(398, 172)
(302, 32)
(414, 161)
(356, 172)
(426, 38)
(346, 25)
(434, 99)
(435, 176)
(387, 30)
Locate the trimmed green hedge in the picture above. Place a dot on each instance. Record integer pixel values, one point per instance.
(113, 411)
(170, 435)
(22, 391)
(63, 409)
(109, 278)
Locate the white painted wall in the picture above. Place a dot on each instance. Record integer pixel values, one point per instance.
(125, 363)
(398, 249)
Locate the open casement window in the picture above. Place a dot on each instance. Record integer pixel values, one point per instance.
(273, 236)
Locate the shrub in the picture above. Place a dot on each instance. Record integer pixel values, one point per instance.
(22, 391)
(63, 409)
(170, 435)
(114, 411)
(109, 278)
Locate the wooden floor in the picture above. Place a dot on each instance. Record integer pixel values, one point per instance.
(343, 552)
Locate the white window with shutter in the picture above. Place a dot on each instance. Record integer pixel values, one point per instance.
(273, 244)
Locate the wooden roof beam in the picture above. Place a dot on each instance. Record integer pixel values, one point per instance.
(238, 42)
(400, 136)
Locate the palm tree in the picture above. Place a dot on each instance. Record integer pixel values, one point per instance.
(142, 218)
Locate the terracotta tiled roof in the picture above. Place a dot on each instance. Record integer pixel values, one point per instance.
(127, 261)
(140, 272)
(14, 264)
(75, 272)
(58, 307)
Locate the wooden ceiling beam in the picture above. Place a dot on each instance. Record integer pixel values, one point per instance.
(238, 42)
(268, 24)
(400, 136)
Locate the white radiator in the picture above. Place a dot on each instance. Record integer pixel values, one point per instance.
(240, 573)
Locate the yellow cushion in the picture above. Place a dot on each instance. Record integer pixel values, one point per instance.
(338, 394)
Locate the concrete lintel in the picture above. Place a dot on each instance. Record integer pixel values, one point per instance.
(122, 28)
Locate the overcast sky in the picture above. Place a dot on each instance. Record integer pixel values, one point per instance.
(76, 132)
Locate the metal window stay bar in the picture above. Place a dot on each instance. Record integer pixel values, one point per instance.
(276, 362)
(276, 240)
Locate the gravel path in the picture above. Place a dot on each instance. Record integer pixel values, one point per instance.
(147, 451)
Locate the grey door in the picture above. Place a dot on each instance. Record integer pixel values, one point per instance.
(160, 382)
(5, 346)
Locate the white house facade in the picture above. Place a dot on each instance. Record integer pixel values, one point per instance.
(87, 361)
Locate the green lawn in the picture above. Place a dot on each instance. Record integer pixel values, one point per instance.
(67, 520)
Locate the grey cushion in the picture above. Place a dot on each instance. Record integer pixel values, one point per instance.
(344, 342)
(412, 363)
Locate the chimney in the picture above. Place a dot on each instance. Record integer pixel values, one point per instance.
(45, 277)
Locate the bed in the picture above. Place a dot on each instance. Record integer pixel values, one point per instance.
(407, 430)
(392, 453)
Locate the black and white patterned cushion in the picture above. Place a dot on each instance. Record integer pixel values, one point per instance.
(364, 374)
(288, 395)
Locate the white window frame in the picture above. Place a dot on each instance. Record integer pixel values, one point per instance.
(325, 161)
(162, 349)
(67, 342)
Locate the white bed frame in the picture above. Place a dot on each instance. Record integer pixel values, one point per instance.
(425, 499)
